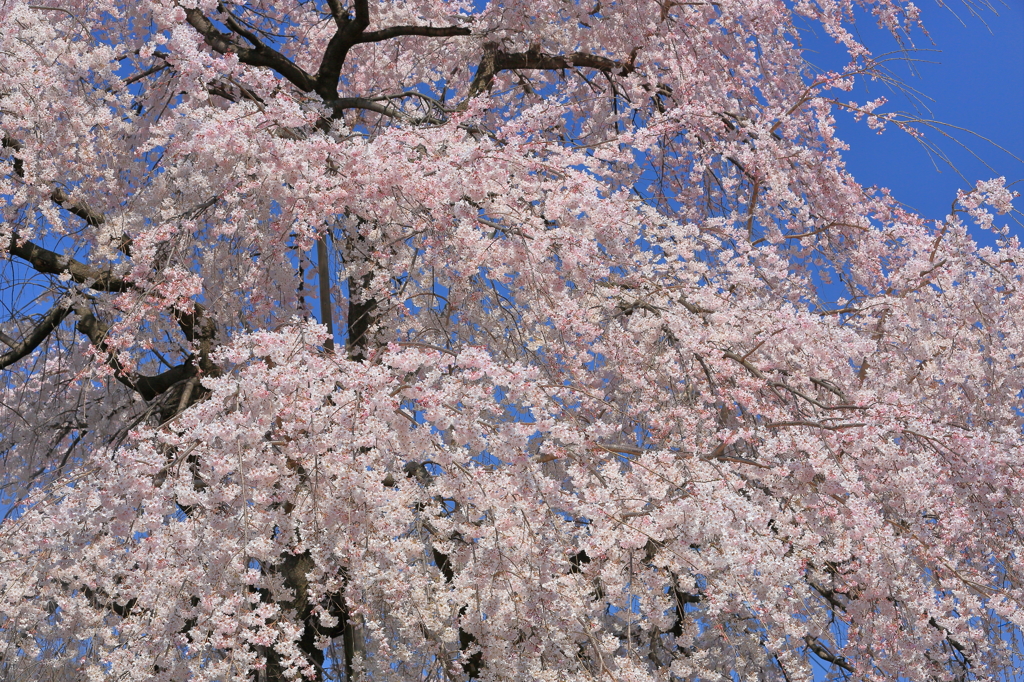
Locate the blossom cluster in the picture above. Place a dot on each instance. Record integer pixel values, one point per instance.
(630, 378)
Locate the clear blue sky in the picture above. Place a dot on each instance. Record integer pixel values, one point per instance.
(975, 81)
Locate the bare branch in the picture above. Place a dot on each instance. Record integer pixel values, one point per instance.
(78, 208)
(494, 60)
(379, 106)
(823, 653)
(52, 263)
(398, 31)
(50, 321)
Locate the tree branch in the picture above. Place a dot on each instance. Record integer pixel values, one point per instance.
(957, 646)
(199, 329)
(329, 73)
(78, 208)
(398, 31)
(148, 387)
(337, 12)
(495, 59)
(347, 35)
(378, 105)
(58, 196)
(349, 32)
(823, 653)
(259, 55)
(323, 279)
(362, 14)
(353, 32)
(195, 325)
(51, 263)
(51, 320)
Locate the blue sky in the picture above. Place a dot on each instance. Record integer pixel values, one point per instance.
(975, 80)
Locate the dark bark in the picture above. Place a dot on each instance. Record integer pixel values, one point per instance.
(49, 262)
(324, 280)
(329, 73)
(50, 321)
(472, 664)
(197, 327)
(495, 60)
(294, 570)
(428, 31)
(78, 208)
(200, 330)
(351, 31)
(148, 387)
(257, 55)
(822, 652)
(361, 316)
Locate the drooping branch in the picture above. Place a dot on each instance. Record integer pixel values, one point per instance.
(46, 261)
(380, 106)
(953, 643)
(79, 208)
(194, 324)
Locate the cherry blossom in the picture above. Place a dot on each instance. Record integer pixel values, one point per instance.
(510, 341)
